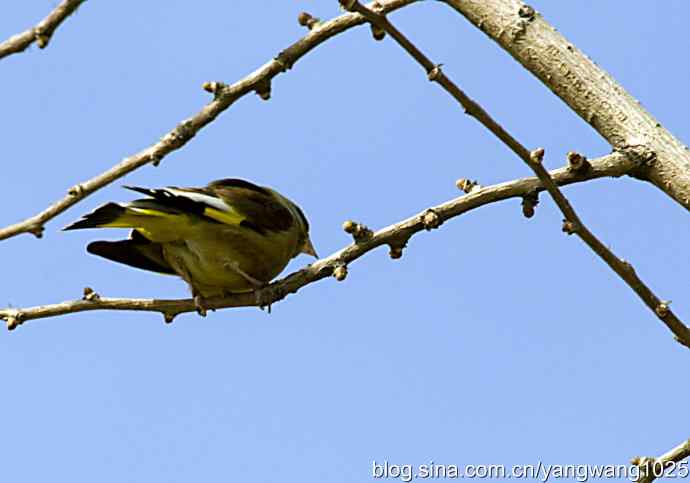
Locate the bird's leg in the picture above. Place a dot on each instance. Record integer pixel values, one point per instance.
(199, 303)
(262, 293)
(182, 271)
(235, 267)
(265, 296)
(180, 267)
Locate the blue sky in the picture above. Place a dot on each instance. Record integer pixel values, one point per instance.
(495, 339)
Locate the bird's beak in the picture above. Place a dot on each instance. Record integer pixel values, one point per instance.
(308, 248)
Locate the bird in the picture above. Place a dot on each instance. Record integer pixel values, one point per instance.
(230, 236)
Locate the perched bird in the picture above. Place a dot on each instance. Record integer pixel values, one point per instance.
(231, 236)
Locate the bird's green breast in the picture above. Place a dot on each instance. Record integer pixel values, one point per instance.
(207, 253)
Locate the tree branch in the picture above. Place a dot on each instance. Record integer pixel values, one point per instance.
(396, 236)
(258, 81)
(589, 90)
(652, 468)
(42, 32)
(572, 223)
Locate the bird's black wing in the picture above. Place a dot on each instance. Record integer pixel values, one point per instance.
(167, 200)
(262, 210)
(137, 252)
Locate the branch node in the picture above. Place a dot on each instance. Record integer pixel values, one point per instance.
(577, 163)
(396, 253)
(76, 190)
(90, 295)
(360, 233)
(36, 230)
(340, 272)
(628, 266)
(13, 323)
(397, 246)
(263, 89)
(529, 203)
(526, 12)
(430, 219)
(468, 186)
(377, 7)
(537, 156)
(283, 61)
(168, 317)
(662, 309)
(155, 159)
(642, 154)
(648, 467)
(14, 319)
(42, 38)
(306, 20)
(214, 87)
(348, 5)
(182, 133)
(570, 227)
(435, 73)
(377, 32)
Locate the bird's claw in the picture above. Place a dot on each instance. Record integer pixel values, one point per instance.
(200, 305)
(264, 297)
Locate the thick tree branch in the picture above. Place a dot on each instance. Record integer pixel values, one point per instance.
(652, 468)
(589, 90)
(42, 32)
(396, 236)
(572, 223)
(224, 96)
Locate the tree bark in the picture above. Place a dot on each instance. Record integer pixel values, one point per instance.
(589, 91)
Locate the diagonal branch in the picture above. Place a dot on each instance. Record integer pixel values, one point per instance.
(590, 91)
(396, 236)
(42, 32)
(665, 465)
(572, 223)
(224, 96)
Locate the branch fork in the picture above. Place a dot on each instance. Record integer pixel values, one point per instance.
(534, 159)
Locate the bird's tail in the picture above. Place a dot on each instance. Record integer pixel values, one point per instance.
(150, 218)
(108, 215)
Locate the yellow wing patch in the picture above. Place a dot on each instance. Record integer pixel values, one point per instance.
(132, 218)
(157, 226)
(227, 217)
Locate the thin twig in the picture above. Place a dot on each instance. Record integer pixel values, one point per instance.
(667, 464)
(396, 236)
(224, 96)
(42, 32)
(572, 223)
(590, 91)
